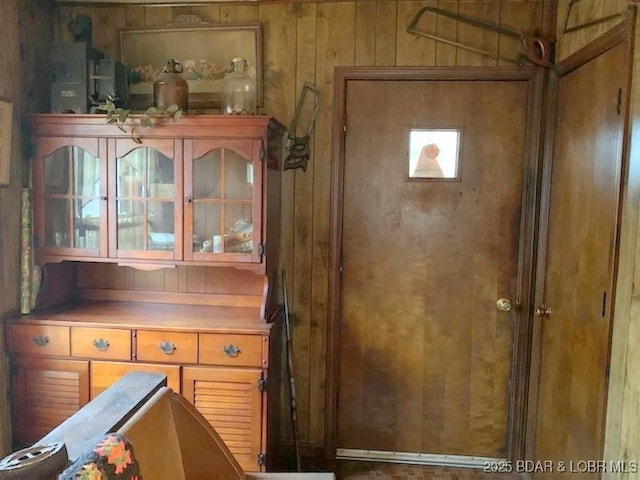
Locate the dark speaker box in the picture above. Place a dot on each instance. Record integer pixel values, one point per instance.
(71, 84)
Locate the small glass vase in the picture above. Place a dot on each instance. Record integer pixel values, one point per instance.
(238, 90)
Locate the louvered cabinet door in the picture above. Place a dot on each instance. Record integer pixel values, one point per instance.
(46, 392)
(232, 402)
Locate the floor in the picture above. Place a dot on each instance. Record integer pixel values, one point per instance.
(390, 471)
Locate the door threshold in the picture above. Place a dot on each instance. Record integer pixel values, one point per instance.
(462, 461)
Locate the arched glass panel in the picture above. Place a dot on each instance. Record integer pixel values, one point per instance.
(223, 202)
(72, 198)
(145, 201)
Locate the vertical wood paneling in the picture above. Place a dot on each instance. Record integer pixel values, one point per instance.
(26, 27)
(279, 36)
(171, 280)
(477, 37)
(581, 13)
(335, 39)
(238, 14)
(9, 271)
(303, 22)
(209, 13)
(302, 248)
(622, 438)
(304, 42)
(386, 19)
(415, 50)
(446, 28)
(521, 16)
(148, 281)
(135, 16)
(365, 33)
(196, 279)
(304, 231)
(157, 17)
(103, 27)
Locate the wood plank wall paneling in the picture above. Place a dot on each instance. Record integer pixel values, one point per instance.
(622, 433)
(304, 42)
(581, 13)
(23, 21)
(300, 46)
(9, 221)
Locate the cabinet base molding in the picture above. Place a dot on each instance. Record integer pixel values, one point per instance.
(461, 461)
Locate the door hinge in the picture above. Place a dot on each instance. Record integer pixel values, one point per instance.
(262, 459)
(263, 154)
(619, 102)
(262, 384)
(261, 249)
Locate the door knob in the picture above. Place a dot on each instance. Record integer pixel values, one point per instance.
(504, 305)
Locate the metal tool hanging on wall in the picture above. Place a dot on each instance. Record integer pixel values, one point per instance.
(534, 48)
(303, 121)
(574, 28)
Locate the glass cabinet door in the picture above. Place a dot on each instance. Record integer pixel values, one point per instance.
(224, 189)
(145, 204)
(73, 201)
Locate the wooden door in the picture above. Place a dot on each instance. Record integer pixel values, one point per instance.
(581, 253)
(425, 358)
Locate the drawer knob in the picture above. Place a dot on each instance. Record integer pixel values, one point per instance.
(231, 350)
(101, 344)
(167, 347)
(41, 340)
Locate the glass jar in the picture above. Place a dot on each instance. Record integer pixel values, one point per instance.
(238, 90)
(170, 88)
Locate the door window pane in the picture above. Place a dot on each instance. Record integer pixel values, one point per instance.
(433, 153)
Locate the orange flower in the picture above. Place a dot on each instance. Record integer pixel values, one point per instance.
(116, 453)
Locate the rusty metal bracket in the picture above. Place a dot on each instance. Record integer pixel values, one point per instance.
(534, 48)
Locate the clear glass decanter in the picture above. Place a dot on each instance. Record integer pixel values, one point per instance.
(238, 90)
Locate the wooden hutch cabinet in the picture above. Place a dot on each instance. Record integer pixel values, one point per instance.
(192, 207)
(193, 191)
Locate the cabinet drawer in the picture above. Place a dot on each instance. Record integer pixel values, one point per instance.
(223, 349)
(40, 340)
(103, 343)
(105, 374)
(174, 347)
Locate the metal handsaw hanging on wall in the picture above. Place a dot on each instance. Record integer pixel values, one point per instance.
(301, 127)
(533, 48)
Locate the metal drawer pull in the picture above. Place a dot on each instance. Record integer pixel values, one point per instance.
(167, 347)
(41, 340)
(101, 344)
(231, 350)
